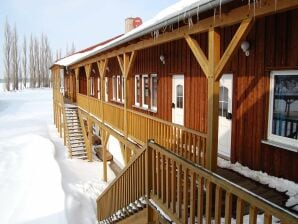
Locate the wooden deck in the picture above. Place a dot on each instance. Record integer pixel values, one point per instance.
(262, 190)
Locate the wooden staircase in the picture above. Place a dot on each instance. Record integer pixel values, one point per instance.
(75, 138)
(158, 182)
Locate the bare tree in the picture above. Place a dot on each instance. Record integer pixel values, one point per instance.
(24, 62)
(7, 53)
(31, 62)
(15, 59)
(36, 63)
(73, 48)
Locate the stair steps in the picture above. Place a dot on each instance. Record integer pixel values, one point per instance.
(75, 135)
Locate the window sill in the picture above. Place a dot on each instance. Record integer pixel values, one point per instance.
(280, 145)
(117, 101)
(144, 108)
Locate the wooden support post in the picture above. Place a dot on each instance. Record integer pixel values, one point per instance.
(90, 133)
(102, 65)
(126, 63)
(77, 80)
(87, 71)
(60, 121)
(104, 141)
(213, 97)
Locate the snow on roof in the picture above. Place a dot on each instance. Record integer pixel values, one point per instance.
(163, 16)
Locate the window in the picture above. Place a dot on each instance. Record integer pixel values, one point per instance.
(137, 90)
(223, 101)
(118, 88)
(153, 87)
(114, 82)
(123, 86)
(283, 107)
(145, 92)
(106, 89)
(179, 96)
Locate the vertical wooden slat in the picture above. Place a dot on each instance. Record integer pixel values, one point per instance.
(168, 186)
(192, 197)
(252, 215)
(228, 208)
(185, 196)
(209, 188)
(239, 211)
(158, 174)
(218, 203)
(267, 218)
(174, 188)
(179, 186)
(200, 199)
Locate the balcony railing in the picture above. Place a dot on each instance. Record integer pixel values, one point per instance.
(185, 142)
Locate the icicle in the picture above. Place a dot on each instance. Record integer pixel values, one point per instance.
(198, 13)
(164, 29)
(190, 22)
(156, 34)
(249, 4)
(214, 14)
(220, 8)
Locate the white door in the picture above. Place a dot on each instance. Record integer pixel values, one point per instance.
(225, 115)
(178, 99)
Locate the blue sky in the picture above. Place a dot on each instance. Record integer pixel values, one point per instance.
(84, 22)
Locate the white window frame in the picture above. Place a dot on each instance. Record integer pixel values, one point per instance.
(273, 137)
(123, 86)
(106, 89)
(137, 102)
(153, 108)
(114, 87)
(117, 88)
(145, 106)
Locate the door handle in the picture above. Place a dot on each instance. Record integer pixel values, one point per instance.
(173, 105)
(229, 116)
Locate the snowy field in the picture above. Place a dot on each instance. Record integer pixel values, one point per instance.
(39, 184)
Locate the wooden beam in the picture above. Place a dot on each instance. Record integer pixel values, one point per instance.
(213, 97)
(198, 53)
(228, 18)
(102, 66)
(121, 63)
(233, 46)
(132, 59)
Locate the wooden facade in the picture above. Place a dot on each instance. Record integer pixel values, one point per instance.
(202, 53)
(274, 47)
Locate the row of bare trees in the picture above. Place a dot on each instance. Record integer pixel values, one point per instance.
(26, 64)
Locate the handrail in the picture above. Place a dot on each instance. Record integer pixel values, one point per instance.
(131, 181)
(204, 135)
(193, 181)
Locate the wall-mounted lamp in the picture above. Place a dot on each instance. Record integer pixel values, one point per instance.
(93, 71)
(245, 47)
(162, 59)
(107, 69)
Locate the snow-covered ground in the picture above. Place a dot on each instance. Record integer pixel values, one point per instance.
(38, 183)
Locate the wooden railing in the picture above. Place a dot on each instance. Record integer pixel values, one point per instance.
(95, 107)
(83, 102)
(128, 187)
(185, 142)
(114, 115)
(188, 193)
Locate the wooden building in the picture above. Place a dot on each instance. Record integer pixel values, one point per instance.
(217, 78)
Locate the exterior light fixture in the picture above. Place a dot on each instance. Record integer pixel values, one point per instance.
(245, 47)
(162, 59)
(107, 69)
